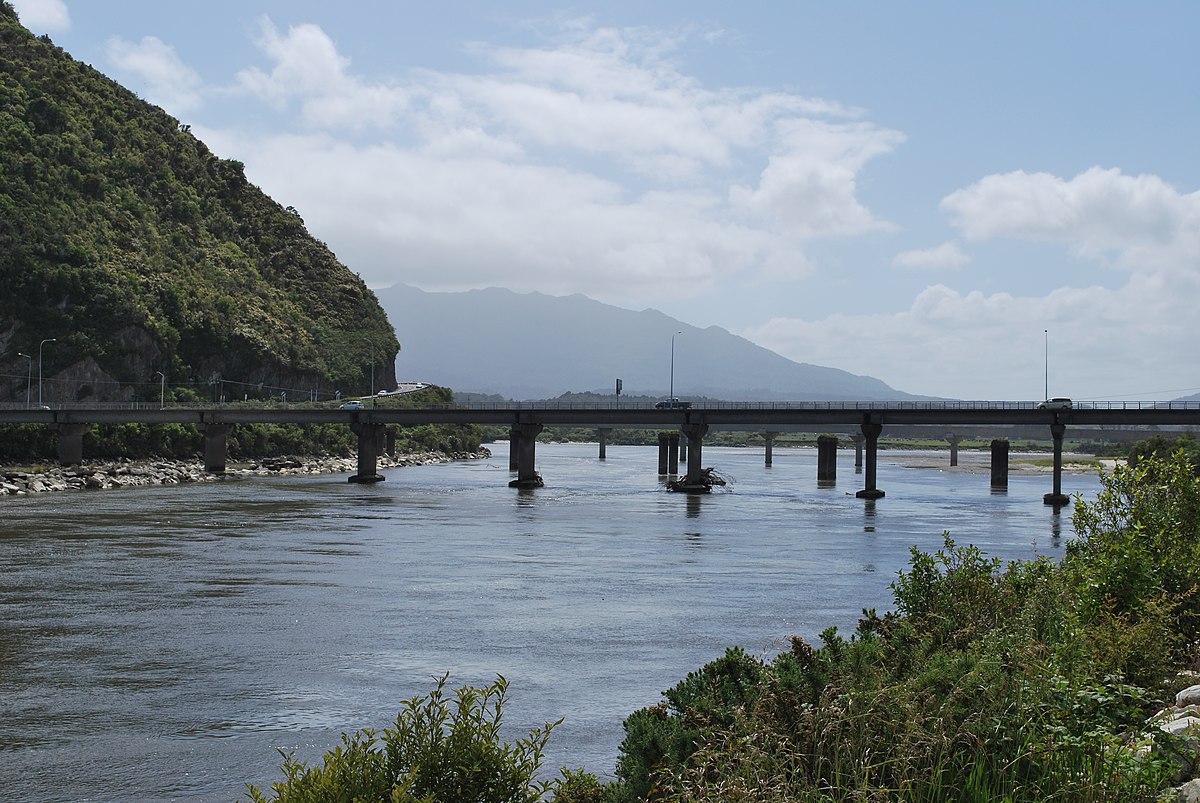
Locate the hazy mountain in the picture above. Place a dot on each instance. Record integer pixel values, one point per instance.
(534, 346)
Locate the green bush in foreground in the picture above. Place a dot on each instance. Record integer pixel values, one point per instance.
(440, 748)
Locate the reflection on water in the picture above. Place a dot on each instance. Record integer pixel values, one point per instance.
(165, 642)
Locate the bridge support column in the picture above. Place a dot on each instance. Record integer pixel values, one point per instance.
(527, 476)
(370, 446)
(769, 443)
(390, 442)
(602, 436)
(215, 446)
(827, 460)
(870, 431)
(954, 441)
(664, 449)
(514, 439)
(1000, 464)
(695, 451)
(683, 449)
(673, 452)
(70, 442)
(858, 452)
(1057, 498)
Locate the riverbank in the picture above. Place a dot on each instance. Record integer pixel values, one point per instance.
(980, 462)
(25, 480)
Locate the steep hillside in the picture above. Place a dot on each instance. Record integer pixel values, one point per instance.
(534, 346)
(139, 251)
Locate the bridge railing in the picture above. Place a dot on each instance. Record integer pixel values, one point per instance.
(618, 405)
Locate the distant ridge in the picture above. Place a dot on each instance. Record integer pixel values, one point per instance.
(535, 346)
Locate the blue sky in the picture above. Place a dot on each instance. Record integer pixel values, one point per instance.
(938, 194)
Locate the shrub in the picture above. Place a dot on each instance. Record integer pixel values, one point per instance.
(440, 749)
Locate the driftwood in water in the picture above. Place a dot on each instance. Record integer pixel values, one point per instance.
(703, 484)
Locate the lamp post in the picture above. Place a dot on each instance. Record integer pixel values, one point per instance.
(1046, 334)
(28, 375)
(40, 347)
(162, 389)
(671, 396)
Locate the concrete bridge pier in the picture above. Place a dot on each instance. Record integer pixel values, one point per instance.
(1057, 498)
(513, 441)
(70, 442)
(827, 460)
(769, 442)
(695, 451)
(526, 437)
(673, 452)
(602, 436)
(870, 432)
(664, 450)
(1000, 464)
(370, 446)
(954, 442)
(858, 452)
(683, 450)
(215, 446)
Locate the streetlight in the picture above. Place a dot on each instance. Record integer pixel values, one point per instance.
(671, 396)
(162, 390)
(40, 346)
(1046, 334)
(371, 343)
(28, 376)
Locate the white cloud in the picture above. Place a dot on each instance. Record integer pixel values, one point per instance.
(590, 165)
(308, 67)
(43, 15)
(992, 345)
(946, 255)
(1141, 220)
(167, 80)
(980, 346)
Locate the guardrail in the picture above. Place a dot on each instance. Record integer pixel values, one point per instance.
(557, 405)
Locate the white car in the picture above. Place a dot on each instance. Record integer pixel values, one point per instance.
(351, 405)
(1057, 403)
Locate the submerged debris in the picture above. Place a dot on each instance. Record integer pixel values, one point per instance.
(702, 485)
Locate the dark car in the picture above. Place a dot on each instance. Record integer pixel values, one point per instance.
(672, 404)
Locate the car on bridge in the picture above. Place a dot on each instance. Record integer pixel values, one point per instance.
(673, 404)
(1057, 403)
(351, 405)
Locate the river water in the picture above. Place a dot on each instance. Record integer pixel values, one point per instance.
(165, 643)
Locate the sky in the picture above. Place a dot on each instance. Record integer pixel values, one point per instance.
(991, 200)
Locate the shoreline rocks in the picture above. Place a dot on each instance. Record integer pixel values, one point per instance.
(131, 473)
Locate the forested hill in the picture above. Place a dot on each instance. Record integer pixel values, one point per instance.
(139, 251)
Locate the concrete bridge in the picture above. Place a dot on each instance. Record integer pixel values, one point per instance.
(865, 420)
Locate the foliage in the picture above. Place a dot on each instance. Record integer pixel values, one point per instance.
(440, 749)
(1161, 446)
(125, 239)
(1138, 551)
(1026, 682)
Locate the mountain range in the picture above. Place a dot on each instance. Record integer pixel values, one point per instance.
(535, 346)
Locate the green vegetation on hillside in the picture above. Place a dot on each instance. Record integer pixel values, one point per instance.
(1031, 681)
(140, 251)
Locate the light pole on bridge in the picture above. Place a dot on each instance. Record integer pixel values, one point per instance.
(671, 395)
(162, 389)
(1046, 333)
(28, 376)
(40, 347)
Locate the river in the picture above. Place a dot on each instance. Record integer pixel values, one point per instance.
(165, 643)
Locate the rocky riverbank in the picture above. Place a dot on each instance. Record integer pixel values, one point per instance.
(20, 481)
